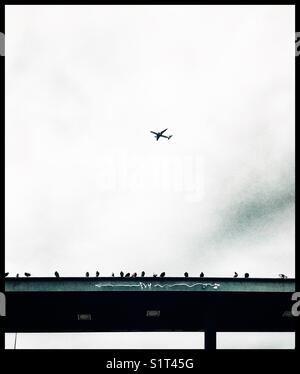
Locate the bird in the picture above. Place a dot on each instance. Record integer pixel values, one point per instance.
(186, 274)
(201, 274)
(154, 275)
(246, 275)
(121, 274)
(17, 276)
(6, 274)
(112, 274)
(27, 275)
(56, 274)
(97, 273)
(87, 274)
(127, 275)
(162, 274)
(142, 274)
(134, 275)
(235, 275)
(283, 276)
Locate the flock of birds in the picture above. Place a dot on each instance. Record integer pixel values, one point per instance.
(143, 274)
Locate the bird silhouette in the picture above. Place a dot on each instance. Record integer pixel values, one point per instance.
(127, 275)
(17, 276)
(186, 274)
(142, 274)
(112, 274)
(235, 275)
(27, 275)
(134, 275)
(154, 275)
(201, 274)
(246, 275)
(97, 274)
(6, 274)
(87, 274)
(56, 274)
(162, 274)
(283, 276)
(121, 274)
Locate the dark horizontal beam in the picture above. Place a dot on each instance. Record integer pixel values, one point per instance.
(80, 305)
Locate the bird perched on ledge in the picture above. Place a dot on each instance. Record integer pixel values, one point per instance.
(97, 274)
(142, 274)
(121, 274)
(282, 276)
(87, 274)
(154, 275)
(127, 275)
(246, 275)
(27, 275)
(162, 275)
(201, 275)
(186, 274)
(56, 274)
(134, 275)
(6, 274)
(235, 275)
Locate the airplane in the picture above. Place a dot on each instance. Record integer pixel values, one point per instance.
(160, 134)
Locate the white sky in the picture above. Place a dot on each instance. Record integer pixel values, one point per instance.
(88, 187)
(150, 340)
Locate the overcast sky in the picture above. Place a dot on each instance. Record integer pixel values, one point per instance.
(89, 188)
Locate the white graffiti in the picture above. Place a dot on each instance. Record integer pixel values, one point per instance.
(148, 286)
(145, 285)
(141, 285)
(116, 285)
(203, 285)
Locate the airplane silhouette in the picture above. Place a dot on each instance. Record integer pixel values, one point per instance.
(160, 134)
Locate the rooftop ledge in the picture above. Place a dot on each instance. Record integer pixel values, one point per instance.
(104, 284)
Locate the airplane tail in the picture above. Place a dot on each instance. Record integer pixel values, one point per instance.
(170, 136)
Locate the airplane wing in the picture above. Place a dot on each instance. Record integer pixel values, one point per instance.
(164, 136)
(154, 132)
(164, 131)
